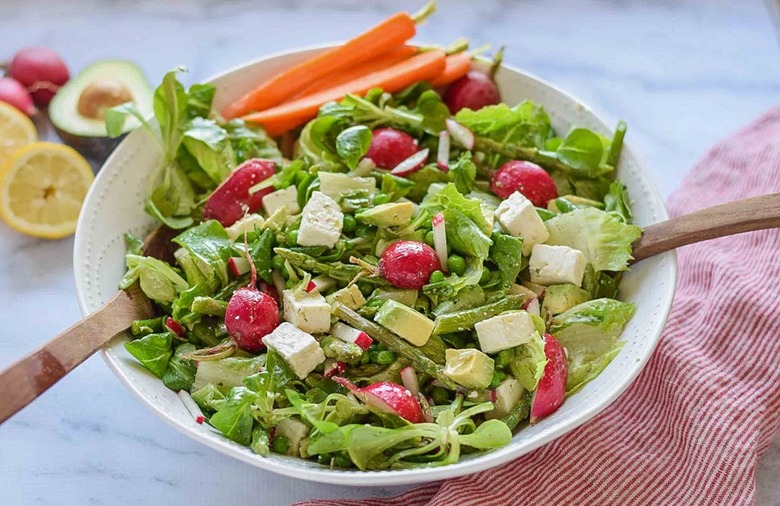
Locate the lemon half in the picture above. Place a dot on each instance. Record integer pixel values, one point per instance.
(16, 132)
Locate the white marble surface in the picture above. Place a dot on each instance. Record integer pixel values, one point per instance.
(682, 73)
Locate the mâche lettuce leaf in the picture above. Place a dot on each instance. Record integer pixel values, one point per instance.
(528, 363)
(234, 418)
(153, 351)
(159, 281)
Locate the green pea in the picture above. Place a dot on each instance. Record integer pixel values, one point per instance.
(498, 377)
(292, 238)
(380, 346)
(436, 277)
(456, 264)
(440, 395)
(365, 358)
(350, 223)
(281, 444)
(373, 355)
(485, 277)
(277, 262)
(385, 357)
(429, 238)
(381, 198)
(503, 358)
(375, 303)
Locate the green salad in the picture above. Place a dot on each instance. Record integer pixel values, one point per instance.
(413, 281)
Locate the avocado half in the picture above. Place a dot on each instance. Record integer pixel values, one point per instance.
(78, 110)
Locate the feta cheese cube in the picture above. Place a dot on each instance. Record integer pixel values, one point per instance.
(321, 222)
(287, 197)
(350, 296)
(307, 311)
(505, 331)
(553, 265)
(247, 224)
(297, 348)
(508, 394)
(519, 218)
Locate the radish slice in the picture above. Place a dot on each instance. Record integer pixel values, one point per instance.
(174, 327)
(533, 307)
(311, 286)
(550, 393)
(411, 164)
(440, 239)
(443, 154)
(238, 265)
(351, 335)
(321, 284)
(386, 397)
(460, 133)
(409, 379)
(333, 367)
(364, 168)
(191, 406)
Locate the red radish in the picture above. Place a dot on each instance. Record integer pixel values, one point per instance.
(12, 92)
(389, 147)
(268, 289)
(551, 391)
(232, 200)
(409, 264)
(440, 239)
(320, 283)
(409, 379)
(474, 91)
(386, 397)
(460, 133)
(527, 178)
(311, 286)
(41, 70)
(333, 367)
(533, 307)
(238, 265)
(351, 335)
(411, 164)
(174, 327)
(191, 406)
(443, 153)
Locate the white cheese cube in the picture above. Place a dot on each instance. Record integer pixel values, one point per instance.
(519, 218)
(247, 224)
(297, 348)
(321, 222)
(505, 331)
(553, 265)
(287, 197)
(307, 311)
(508, 394)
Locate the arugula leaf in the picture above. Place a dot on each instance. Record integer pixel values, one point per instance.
(583, 151)
(463, 173)
(158, 280)
(208, 143)
(507, 253)
(153, 351)
(209, 243)
(617, 202)
(603, 239)
(352, 144)
(234, 418)
(180, 373)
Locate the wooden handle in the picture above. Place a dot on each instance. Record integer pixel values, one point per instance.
(28, 378)
(757, 213)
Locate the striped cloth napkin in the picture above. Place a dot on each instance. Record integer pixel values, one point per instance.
(692, 427)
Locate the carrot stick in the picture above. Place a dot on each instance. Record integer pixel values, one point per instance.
(422, 67)
(346, 75)
(456, 66)
(382, 38)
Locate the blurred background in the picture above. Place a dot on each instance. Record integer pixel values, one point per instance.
(682, 73)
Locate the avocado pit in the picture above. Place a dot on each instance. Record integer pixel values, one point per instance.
(101, 95)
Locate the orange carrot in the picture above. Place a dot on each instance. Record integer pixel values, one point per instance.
(382, 38)
(456, 66)
(422, 67)
(344, 76)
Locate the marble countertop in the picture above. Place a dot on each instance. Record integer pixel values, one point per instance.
(682, 74)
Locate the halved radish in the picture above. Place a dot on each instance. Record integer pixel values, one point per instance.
(460, 133)
(321, 284)
(238, 265)
(174, 327)
(387, 397)
(332, 367)
(533, 307)
(351, 335)
(232, 200)
(551, 391)
(443, 153)
(440, 239)
(409, 379)
(411, 164)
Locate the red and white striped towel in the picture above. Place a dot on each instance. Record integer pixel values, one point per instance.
(692, 427)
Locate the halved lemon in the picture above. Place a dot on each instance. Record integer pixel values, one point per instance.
(16, 132)
(42, 188)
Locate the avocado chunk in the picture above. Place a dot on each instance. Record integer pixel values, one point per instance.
(469, 368)
(405, 321)
(560, 298)
(406, 296)
(350, 297)
(392, 214)
(78, 110)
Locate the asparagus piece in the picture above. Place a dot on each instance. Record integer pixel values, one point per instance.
(337, 270)
(465, 320)
(209, 306)
(144, 327)
(418, 359)
(547, 160)
(518, 413)
(339, 350)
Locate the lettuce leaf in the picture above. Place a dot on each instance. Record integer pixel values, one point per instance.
(529, 361)
(605, 240)
(525, 124)
(617, 202)
(158, 280)
(209, 243)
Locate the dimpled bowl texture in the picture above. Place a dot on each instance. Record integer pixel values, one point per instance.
(114, 206)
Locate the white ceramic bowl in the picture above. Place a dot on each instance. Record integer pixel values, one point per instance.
(115, 206)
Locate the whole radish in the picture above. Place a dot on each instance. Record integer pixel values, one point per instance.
(527, 178)
(408, 264)
(12, 92)
(41, 70)
(389, 147)
(232, 200)
(475, 90)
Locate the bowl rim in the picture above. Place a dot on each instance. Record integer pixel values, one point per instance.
(485, 460)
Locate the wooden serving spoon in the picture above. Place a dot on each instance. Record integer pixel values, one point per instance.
(28, 378)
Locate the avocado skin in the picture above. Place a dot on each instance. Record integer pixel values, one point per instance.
(95, 149)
